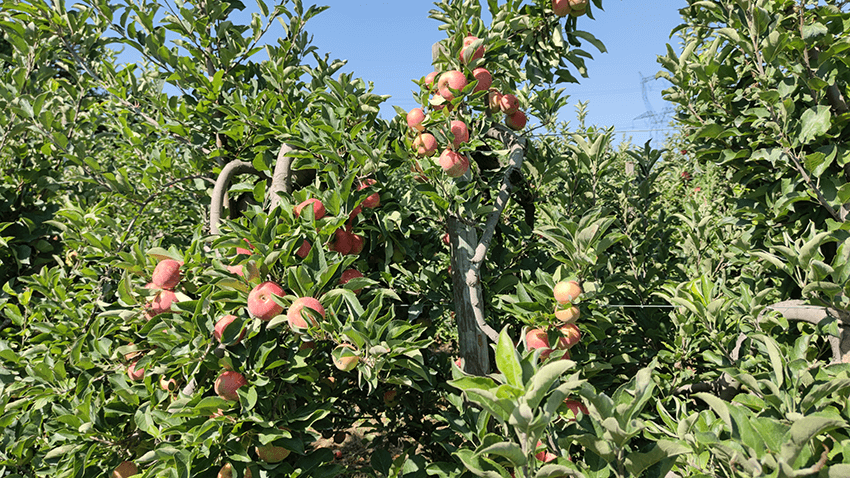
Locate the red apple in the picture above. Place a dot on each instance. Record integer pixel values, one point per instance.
(415, 117)
(538, 339)
(571, 335)
(135, 374)
(161, 304)
(253, 272)
(566, 292)
(374, 199)
(450, 80)
(425, 144)
(271, 453)
(575, 406)
(221, 325)
(429, 79)
(561, 7)
(467, 55)
(342, 242)
(227, 383)
(166, 275)
(454, 164)
(485, 79)
(226, 471)
(349, 274)
(261, 303)
(125, 470)
(358, 242)
(516, 121)
(298, 318)
(242, 250)
(304, 249)
(544, 455)
(318, 208)
(568, 315)
(509, 104)
(494, 100)
(345, 363)
(460, 132)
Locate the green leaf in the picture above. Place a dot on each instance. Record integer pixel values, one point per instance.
(543, 379)
(636, 463)
(554, 471)
(509, 450)
(507, 359)
(838, 385)
(815, 122)
(802, 432)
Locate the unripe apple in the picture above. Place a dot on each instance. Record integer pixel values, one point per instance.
(467, 55)
(298, 318)
(345, 362)
(460, 132)
(271, 453)
(454, 164)
(415, 117)
(166, 275)
(125, 470)
(450, 80)
(374, 199)
(566, 292)
(516, 121)
(135, 374)
(221, 326)
(538, 339)
(429, 79)
(509, 104)
(304, 249)
(568, 315)
(261, 303)
(561, 7)
(227, 383)
(425, 144)
(349, 274)
(494, 99)
(571, 335)
(485, 79)
(318, 208)
(161, 304)
(226, 471)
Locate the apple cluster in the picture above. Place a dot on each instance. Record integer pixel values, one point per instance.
(568, 333)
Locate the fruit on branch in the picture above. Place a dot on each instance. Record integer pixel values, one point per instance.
(568, 315)
(467, 54)
(453, 163)
(516, 121)
(160, 304)
(134, 373)
(578, 7)
(251, 267)
(261, 303)
(460, 132)
(509, 104)
(566, 292)
(494, 100)
(226, 471)
(221, 326)
(485, 79)
(125, 470)
(575, 407)
(544, 455)
(349, 274)
(318, 208)
(450, 80)
(570, 335)
(425, 144)
(345, 363)
(538, 339)
(358, 242)
(415, 117)
(374, 199)
(271, 453)
(304, 249)
(341, 242)
(298, 317)
(166, 274)
(561, 7)
(429, 80)
(227, 383)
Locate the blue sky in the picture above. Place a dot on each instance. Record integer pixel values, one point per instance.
(389, 43)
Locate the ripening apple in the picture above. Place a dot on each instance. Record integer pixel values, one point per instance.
(226, 471)
(450, 80)
(160, 304)
(261, 303)
(578, 7)
(415, 117)
(134, 373)
(460, 132)
(509, 104)
(374, 199)
(494, 99)
(467, 55)
(166, 275)
(271, 453)
(227, 383)
(425, 144)
(349, 274)
(538, 339)
(125, 470)
(485, 79)
(318, 208)
(298, 318)
(345, 363)
(454, 164)
(221, 326)
(568, 315)
(561, 7)
(566, 292)
(516, 121)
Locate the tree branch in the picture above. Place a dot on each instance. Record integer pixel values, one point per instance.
(219, 194)
(282, 177)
